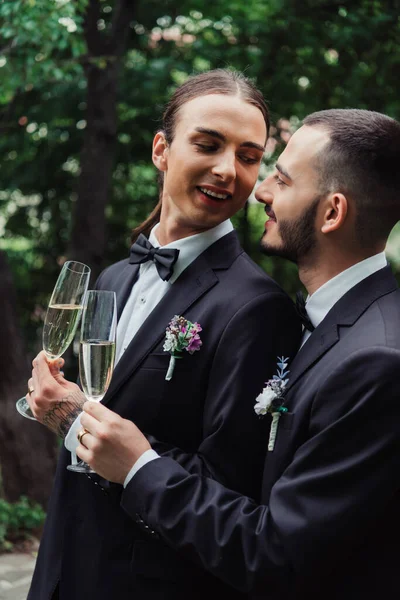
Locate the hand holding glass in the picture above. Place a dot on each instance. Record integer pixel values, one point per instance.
(97, 350)
(62, 317)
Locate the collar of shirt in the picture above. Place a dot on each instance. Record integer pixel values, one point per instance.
(190, 247)
(320, 303)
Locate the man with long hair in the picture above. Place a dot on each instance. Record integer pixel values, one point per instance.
(189, 270)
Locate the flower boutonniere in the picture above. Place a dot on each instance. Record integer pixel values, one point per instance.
(180, 335)
(271, 399)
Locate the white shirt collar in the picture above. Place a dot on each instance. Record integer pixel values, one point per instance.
(191, 247)
(320, 303)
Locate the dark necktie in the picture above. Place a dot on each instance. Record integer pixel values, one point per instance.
(302, 311)
(164, 258)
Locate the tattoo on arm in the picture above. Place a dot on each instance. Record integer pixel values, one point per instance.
(62, 414)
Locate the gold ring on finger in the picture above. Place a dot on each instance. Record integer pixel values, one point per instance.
(80, 435)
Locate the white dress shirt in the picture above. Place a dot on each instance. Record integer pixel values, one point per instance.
(318, 305)
(320, 302)
(147, 292)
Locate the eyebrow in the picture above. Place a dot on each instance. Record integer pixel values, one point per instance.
(281, 170)
(220, 136)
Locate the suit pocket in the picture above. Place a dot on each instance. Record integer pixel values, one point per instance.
(158, 361)
(286, 420)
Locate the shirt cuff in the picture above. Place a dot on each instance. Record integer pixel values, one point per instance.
(71, 439)
(146, 457)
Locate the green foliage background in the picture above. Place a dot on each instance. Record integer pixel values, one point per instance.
(19, 521)
(305, 56)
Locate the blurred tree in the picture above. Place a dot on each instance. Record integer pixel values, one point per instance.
(27, 452)
(101, 66)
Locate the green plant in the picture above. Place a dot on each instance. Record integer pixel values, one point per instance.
(18, 521)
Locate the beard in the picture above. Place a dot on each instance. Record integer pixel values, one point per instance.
(298, 238)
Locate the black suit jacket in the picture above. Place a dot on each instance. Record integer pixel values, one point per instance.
(203, 418)
(329, 523)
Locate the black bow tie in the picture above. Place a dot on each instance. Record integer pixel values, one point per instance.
(302, 311)
(163, 258)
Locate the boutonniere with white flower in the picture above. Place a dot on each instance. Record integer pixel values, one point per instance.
(271, 399)
(180, 335)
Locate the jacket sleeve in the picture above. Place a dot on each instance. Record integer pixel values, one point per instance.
(338, 484)
(233, 446)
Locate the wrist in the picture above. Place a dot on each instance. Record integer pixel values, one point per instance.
(64, 412)
(145, 458)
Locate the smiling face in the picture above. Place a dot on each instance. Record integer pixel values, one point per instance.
(211, 166)
(292, 198)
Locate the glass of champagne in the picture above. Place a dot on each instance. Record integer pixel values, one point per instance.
(62, 316)
(97, 350)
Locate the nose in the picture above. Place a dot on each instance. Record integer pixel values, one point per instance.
(225, 166)
(263, 193)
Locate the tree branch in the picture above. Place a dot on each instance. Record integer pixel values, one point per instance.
(8, 48)
(123, 14)
(94, 40)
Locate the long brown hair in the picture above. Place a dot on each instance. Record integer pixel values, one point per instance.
(217, 81)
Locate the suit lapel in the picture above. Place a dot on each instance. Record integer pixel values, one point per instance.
(197, 279)
(123, 285)
(323, 338)
(343, 314)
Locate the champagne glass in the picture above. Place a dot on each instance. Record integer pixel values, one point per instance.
(62, 316)
(96, 350)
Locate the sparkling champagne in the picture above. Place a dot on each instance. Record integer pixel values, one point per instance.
(96, 364)
(59, 328)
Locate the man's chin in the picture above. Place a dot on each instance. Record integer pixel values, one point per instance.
(271, 250)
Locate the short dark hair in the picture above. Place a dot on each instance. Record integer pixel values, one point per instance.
(361, 160)
(216, 81)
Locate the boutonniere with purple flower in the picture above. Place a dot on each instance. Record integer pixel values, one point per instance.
(180, 335)
(271, 399)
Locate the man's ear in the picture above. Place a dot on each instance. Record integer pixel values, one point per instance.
(160, 151)
(335, 212)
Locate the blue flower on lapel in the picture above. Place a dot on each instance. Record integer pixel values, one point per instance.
(271, 399)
